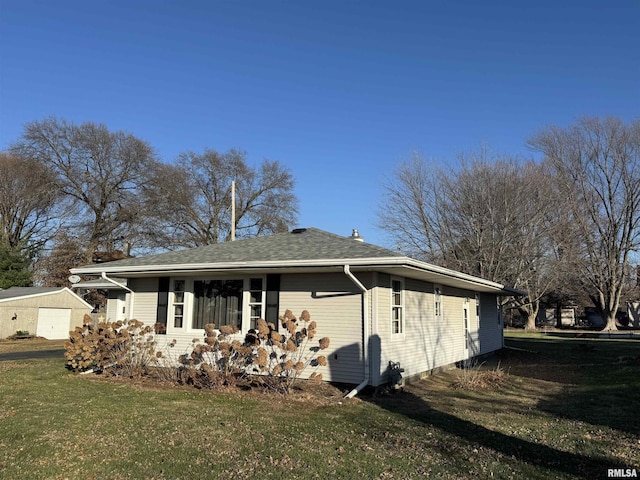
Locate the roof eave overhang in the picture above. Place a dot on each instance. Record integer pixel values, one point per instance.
(412, 267)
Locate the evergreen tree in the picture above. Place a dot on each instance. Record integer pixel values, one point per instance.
(15, 267)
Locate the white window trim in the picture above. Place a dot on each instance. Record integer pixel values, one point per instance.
(437, 301)
(171, 305)
(466, 320)
(402, 328)
(187, 319)
(246, 300)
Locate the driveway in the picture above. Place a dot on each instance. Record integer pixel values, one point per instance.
(35, 354)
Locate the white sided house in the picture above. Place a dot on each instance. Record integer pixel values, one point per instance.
(376, 305)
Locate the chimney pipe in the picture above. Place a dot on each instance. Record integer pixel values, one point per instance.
(356, 236)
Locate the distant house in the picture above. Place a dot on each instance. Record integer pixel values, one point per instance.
(549, 317)
(46, 312)
(376, 305)
(633, 312)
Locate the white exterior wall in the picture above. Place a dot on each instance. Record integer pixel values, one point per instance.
(491, 328)
(429, 342)
(335, 303)
(145, 309)
(113, 306)
(144, 299)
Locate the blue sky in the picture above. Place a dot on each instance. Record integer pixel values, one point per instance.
(338, 91)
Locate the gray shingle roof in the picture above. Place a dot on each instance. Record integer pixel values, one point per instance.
(308, 247)
(307, 244)
(17, 292)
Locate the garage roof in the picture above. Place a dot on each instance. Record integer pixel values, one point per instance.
(14, 293)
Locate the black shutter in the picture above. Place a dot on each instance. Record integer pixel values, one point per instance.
(273, 299)
(163, 305)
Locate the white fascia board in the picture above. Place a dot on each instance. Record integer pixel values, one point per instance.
(78, 297)
(463, 276)
(32, 295)
(354, 262)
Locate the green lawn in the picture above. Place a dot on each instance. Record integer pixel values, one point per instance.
(570, 409)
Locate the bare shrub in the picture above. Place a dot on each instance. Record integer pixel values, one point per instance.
(473, 377)
(281, 357)
(266, 358)
(128, 347)
(220, 361)
(134, 350)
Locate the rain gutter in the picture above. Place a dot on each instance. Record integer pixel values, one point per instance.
(124, 287)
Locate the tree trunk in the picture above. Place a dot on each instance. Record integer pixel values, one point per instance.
(531, 322)
(611, 322)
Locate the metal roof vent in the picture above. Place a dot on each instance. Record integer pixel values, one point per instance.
(298, 230)
(356, 236)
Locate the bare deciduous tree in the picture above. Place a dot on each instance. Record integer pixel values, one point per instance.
(28, 192)
(488, 218)
(597, 162)
(189, 203)
(52, 270)
(101, 171)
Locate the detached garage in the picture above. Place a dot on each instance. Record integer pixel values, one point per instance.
(46, 312)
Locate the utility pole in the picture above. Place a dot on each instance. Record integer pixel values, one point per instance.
(233, 211)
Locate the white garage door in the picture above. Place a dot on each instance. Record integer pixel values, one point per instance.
(53, 323)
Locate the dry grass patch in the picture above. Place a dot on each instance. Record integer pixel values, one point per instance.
(474, 377)
(30, 345)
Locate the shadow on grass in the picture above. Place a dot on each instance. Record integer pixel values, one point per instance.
(601, 378)
(609, 406)
(532, 453)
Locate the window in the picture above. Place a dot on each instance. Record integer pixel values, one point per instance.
(178, 303)
(478, 308)
(397, 306)
(255, 301)
(218, 302)
(194, 303)
(465, 315)
(437, 294)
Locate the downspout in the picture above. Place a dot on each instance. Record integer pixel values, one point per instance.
(366, 332)
(124, 287)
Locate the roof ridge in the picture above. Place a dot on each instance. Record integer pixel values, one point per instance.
(296, 245)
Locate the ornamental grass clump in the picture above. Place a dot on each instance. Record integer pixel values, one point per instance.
(280, 358)
(473, 377)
